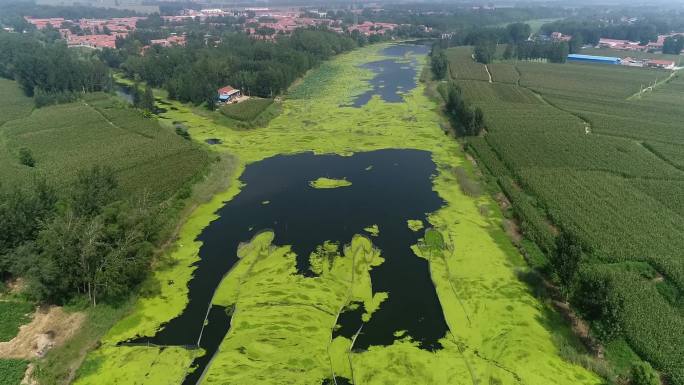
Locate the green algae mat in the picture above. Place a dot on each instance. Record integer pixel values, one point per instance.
(283, 323)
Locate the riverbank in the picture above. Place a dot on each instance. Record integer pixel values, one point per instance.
(498, 331)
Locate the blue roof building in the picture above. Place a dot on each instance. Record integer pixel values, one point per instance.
(595, 59)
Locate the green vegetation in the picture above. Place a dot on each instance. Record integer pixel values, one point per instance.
(415, 224)
(12, 315)
(488, 309)
(248, 110)
(12, 371)
(328, 183)
(106, 134)
(577, 149)
(373, 230)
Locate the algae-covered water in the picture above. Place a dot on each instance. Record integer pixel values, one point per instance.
(367, 267)
(393, 76)
(397, 188)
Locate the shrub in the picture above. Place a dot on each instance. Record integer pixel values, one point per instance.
(643, 374)
(26, 157)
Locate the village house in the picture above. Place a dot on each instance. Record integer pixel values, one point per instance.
(228, 94)
(662, 64)
(558, 36)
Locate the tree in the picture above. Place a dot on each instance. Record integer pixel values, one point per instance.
(599, 302)
(484, 51)
(135, 93)
(440, 63)
(643, 374)
(673, 45)
(94, 189)
(566, 259)
(147, 100)
(26, 157)
(518, 32)
(508, 52)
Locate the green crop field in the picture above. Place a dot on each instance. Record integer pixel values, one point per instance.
(70, 137)
(12, 371)
(12, 315)
(248, 110)
(575, 146)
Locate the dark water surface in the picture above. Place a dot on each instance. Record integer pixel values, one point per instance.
(398, 187)
(393, 76)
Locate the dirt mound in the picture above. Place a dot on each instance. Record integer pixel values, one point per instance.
(50, 327)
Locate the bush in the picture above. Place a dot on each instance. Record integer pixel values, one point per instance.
(643, 374)
(26, 157)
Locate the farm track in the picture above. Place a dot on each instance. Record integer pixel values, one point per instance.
(653, 87)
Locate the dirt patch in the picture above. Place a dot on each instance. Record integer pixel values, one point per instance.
(51, 326)
(579, 327)
(513, 231)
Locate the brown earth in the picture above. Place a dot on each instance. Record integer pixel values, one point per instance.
(51, 326)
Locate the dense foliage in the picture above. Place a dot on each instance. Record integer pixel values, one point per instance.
(95, 243)
(194, 73)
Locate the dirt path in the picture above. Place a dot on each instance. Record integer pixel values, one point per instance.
(653, 87)
(50, 327)
(488, 73)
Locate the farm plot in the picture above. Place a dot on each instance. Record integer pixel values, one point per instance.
(147, 157)
(504, 73)
(587, 79)
(606, 166)
(248, 110)
(463, 67)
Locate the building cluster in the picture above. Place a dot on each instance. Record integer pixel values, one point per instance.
(632, 62)
(267, 23)
(368, 28)
(626, 45)
(92, 33)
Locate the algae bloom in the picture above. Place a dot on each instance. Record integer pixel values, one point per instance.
(328, 183)
(415, 224)
(373, 230)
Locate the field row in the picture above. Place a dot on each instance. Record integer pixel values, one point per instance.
(569, 143)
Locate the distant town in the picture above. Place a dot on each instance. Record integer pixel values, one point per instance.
(259, 23)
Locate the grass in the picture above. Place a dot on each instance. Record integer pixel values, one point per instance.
(148, 159)
(12, 371)
(246, 111)
(14, 104)
(497, 327)
(12, 315)
(58, 365)
(570, 146)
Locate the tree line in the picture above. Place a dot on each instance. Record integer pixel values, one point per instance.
(591, 30)
(466, 120)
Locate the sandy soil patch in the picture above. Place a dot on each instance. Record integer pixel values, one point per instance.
(51, 326)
